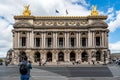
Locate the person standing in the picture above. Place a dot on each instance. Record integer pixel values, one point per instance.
(29, 67)
(25, 70)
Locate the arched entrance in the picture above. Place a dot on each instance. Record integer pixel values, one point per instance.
(37, 57)
(98, 56)
(49, 57)
(22, 56)
(84, 57)
(61, 56)
(72, 56)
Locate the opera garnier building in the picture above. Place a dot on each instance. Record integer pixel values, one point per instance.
(60, 39)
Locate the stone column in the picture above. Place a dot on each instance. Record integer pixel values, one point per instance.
(15, 40)
(42, 35)
(31, 39)
(54, 56)
(106, 35)
(44, 41)
(54, 40)
(68, 40)
(89, 39)
(65, 40)
(77, 40)
(102, 41)
(18, 40)
(43, 55)
(93, 38)
(27, 39)
(76, 56)
(90, 56)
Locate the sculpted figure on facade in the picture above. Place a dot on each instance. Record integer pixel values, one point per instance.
(94, 11)
(27, 12)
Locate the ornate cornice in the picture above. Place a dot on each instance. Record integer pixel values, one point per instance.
(23, 17)
(60, 17)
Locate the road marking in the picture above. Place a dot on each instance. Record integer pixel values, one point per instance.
(49, 76)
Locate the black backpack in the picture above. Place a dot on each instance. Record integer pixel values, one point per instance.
(23, 69)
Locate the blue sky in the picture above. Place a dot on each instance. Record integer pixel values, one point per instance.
(10, 8)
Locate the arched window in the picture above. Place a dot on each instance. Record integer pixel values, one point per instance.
(98, 56)
(22, 56)
(84, 57)
(61, 56)
(37, 57)
(49, 57)
(72, 56)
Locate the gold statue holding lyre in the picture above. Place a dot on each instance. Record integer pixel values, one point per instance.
(94, 11)
(27, 12)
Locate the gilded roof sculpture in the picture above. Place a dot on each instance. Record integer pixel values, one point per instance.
(94, 11)
(26, 12)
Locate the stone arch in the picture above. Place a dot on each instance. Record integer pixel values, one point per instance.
(84, 56)
(60, 56)
(22, 56)
(72, 56)
(37, 56)
(98, 56)
(49, 57)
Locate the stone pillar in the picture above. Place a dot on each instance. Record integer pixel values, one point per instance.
(76, 56)
(68, 40)
(27, 39)
(106, 35)
(54, 56)
(102, 56)
(77, 40)
(93, 38)
(31, 39)
(66, 57)
(89, 39)
(15, 40)
(18, 40)
(31, 53)
(65, 40)
(103, 40)
(43, 55)
(44, 41)
(54, 40)
(42, 35)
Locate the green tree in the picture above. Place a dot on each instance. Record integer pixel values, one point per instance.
(1, 60)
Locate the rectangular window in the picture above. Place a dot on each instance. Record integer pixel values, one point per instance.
(83, 42)
(49, 42)
(60, 42)
(72, 42)
(37, 42)
(97, 41)
(23, 41)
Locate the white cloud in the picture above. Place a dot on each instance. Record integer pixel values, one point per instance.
(115, 47)
(2, 54)
(115, 21)
(110, 10)
(9, 8)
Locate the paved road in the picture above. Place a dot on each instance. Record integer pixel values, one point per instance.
(64, 73)
(79, 71)
(9, 73)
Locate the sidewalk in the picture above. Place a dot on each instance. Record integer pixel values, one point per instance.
(39, 74)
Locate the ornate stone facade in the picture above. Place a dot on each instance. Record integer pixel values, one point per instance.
(61, 39)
